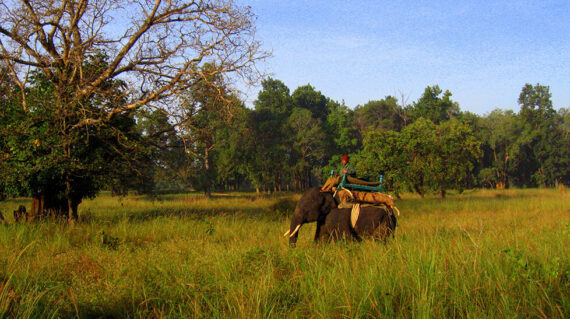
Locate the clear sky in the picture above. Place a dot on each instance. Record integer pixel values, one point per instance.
(482, 51)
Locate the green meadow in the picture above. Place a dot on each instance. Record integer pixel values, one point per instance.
(479, 254)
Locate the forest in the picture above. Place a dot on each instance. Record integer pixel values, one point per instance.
(291, 141)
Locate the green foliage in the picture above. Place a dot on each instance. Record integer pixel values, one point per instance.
(499, 132)
(289, 141)
(230, 156)
(44, 154)
(268, 136)
(431, 105)
(458, 151)
(378, 115)
(274, 96)
(168, 160)
(306, 97)
(209, 107)
(339, 126)
(423, 156)
(536, 105)
(308, 143)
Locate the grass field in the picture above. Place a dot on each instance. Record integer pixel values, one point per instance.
(481, 254)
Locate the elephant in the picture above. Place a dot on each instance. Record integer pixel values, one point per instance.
(334, 223)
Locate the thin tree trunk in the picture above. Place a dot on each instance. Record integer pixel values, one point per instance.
(72, 210)
(207, 187)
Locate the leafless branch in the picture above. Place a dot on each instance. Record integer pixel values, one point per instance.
(159, 47)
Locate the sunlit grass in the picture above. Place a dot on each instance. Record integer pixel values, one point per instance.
(483, 254)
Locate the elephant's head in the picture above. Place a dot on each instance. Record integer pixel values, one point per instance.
(313, 206)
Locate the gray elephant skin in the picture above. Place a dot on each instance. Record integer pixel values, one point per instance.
(377, 222)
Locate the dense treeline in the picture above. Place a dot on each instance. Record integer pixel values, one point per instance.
(288, 141)
(292, 140)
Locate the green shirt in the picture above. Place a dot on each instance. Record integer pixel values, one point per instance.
(350, 171)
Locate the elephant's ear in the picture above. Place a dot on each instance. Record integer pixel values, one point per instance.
(327, 203)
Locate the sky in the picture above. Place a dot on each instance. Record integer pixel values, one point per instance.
(483, 52)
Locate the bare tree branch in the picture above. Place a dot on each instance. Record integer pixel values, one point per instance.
(158, 47)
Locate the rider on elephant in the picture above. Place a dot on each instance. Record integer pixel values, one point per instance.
(346, 169)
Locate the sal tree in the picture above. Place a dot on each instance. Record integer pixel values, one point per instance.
(150, 52)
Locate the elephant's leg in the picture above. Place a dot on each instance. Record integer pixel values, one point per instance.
(381, 232)
(320, 224)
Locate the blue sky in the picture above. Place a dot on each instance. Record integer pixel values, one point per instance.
(482, 51)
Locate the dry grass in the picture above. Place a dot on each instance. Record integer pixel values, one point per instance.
(479, 254)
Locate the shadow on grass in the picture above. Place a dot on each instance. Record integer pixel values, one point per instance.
(214, 196)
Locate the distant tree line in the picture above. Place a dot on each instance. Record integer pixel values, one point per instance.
(291, 141)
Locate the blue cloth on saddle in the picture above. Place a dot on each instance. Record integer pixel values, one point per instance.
(356, 181)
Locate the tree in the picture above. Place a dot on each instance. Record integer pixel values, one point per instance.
(500, 134)
(156, 55)
(431, 105)
(536, 106)
(274, 96)
(423, 156)
(268, 149)
(405, 157)
(269, 137)
(382, 154)
(457, 152)
(231, 154)
(341, 136)
(38, 161)
(308, 98)
(308, 146)
(384, 114)
(167, 155)
(418, 143)
(207, 109)
(546, 143)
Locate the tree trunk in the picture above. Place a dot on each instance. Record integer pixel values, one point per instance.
(71, 207)
(46, 205)
(207, 184)
(419, 191)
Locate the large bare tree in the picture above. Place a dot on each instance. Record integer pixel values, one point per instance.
(154, 50)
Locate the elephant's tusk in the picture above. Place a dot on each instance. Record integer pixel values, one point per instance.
(397, 210)
(295, 231)
(286, 233)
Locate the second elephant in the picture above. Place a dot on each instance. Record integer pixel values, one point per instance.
(374, 221)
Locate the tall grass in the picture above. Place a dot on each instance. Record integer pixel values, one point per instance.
(481, 254)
